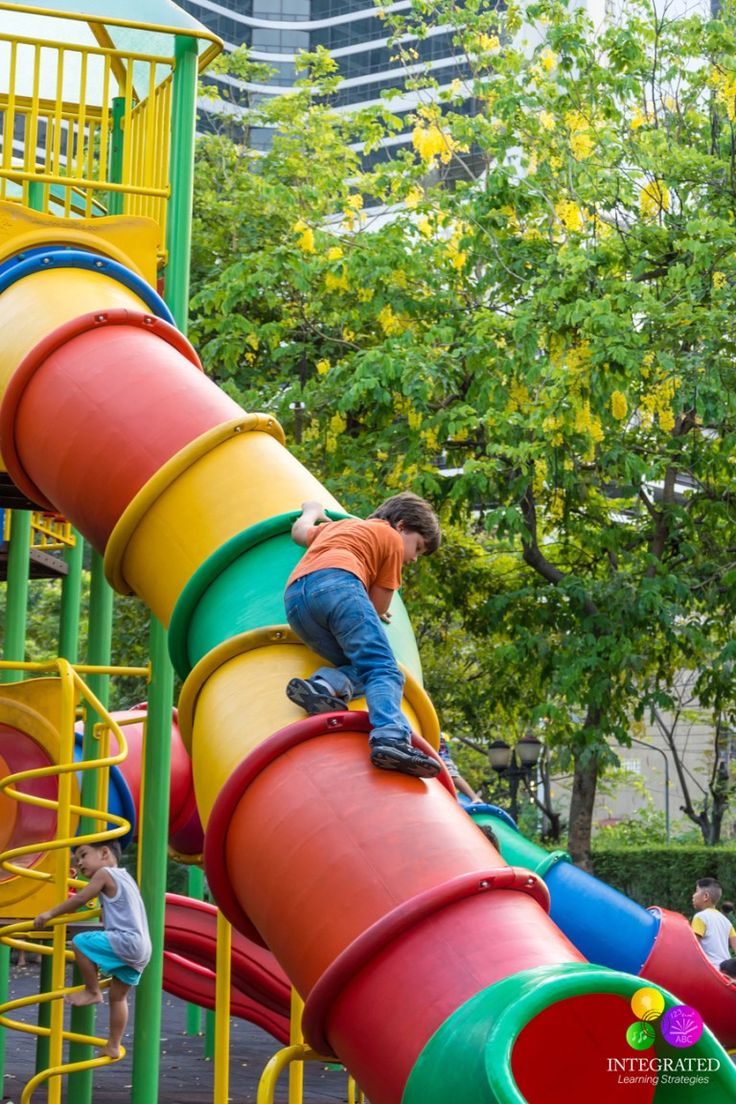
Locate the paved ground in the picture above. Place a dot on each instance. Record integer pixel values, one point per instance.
(185, 1077)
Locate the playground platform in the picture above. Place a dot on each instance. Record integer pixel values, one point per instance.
(185, 1075)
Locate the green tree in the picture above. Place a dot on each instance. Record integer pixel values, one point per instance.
(533, 299)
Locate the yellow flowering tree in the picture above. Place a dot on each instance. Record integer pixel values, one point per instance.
(521, 308)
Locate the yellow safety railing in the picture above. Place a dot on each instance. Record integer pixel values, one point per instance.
(73, 690)
(64, 139)
(293, 1058)
(50, 532)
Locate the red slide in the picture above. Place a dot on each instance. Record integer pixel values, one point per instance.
(261, 992)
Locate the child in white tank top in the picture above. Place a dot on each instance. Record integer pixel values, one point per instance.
(122, 950)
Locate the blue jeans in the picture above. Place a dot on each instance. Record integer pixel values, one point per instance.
(331, 611)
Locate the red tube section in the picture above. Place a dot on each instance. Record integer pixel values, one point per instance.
(376, 915)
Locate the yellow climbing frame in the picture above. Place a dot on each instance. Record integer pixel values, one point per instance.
(64, 695)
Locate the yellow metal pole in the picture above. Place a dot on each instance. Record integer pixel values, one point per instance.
(222, 1011)
(296, 1038)
(63, 827)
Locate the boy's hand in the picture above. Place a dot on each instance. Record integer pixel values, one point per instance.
(315, 511)
(386, 617)
(42, 920)
(312, 513)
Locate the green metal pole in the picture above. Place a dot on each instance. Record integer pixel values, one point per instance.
(209, 1034)
(195, 888)
(45, 985)
(157, 763)
(153, 854)
(179, 218)
(71, 601)
(4, 996)
(115, 200)
(98, 652)
(17, 592)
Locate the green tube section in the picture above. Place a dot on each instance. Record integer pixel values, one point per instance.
(517, 850)
(241, 587)
(557, 1034)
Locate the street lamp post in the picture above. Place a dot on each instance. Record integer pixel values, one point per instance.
(515, 764)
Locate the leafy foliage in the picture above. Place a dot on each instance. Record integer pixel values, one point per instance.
(525, 317)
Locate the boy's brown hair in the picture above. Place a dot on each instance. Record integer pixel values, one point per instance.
(416, 514)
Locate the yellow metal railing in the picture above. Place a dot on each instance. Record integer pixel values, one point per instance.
(51, 532)
(293, 1058)
(63, 140)
(73, 691)
(149, 156)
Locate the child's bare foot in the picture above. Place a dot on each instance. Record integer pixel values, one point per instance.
(86, 996)
(111, 1050)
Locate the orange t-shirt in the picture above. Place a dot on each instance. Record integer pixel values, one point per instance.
(372, 550)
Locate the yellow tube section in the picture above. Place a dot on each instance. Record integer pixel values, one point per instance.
(230, 478)
(234, 699)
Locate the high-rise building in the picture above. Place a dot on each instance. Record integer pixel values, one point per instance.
(352, 31)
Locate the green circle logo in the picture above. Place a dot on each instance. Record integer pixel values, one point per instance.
(640, 1035)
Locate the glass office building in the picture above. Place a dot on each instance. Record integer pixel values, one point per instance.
(275, 30)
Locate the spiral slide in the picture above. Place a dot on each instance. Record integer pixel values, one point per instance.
(612, 930)
(429, 968)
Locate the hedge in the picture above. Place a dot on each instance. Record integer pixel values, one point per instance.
(666, 876)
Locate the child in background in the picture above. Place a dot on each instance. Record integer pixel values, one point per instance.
(460, 784)
(337, 597)
(714, 930)
(122, 950)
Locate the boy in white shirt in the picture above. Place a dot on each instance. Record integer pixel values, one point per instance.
(714, 930)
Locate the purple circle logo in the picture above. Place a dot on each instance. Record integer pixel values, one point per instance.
(682, 1025)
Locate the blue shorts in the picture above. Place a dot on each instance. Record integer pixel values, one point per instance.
(96, 946)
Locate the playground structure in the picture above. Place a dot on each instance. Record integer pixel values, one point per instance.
(427, 965)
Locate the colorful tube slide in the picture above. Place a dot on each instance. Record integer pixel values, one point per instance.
(612, 930)
(430, 968)
(261, 991)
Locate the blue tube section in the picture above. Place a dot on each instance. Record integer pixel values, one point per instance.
(607, 927)
(490, 810)
(119, 797)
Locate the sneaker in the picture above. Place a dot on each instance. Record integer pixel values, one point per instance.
(398, 756)
(314, 697)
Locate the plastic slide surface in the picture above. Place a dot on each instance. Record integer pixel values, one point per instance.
(612, 930)
(428, 966)
(260, 989)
